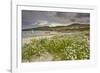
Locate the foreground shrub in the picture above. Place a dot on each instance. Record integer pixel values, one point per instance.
(66, 47)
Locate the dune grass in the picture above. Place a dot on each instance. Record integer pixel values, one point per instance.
(66, 47)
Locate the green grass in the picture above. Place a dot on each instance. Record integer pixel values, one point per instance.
(66, 47)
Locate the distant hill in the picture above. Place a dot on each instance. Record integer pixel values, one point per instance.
(79, 25)
(71, 27)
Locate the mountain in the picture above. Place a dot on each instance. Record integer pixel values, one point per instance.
(72, 27)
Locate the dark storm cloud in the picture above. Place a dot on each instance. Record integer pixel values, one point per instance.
(81, 15)
(65, 15)
(46, 18)
(60, 14)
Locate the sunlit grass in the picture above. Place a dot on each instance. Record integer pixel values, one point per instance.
(66, 47)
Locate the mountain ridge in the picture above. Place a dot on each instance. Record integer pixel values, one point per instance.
(56, 28)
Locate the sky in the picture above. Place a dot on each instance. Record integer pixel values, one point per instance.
(33, 19)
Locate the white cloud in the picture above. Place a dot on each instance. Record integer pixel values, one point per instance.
(57, 24)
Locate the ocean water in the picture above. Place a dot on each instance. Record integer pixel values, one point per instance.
(26, 34)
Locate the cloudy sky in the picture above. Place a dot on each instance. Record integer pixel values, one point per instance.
(47, 18)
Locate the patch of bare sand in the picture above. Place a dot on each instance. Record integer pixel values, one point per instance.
(44, 57)
(27, 40)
